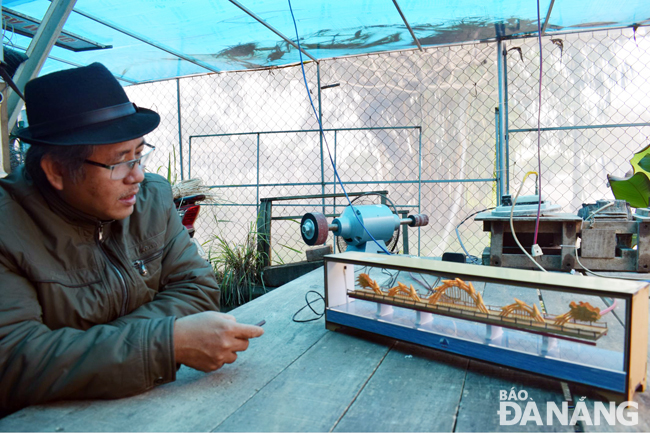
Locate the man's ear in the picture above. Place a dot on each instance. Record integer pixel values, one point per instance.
(54, 172)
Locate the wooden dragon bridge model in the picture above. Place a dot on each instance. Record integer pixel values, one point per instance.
(459, 299)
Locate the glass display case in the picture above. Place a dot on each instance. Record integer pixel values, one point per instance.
(574, 328)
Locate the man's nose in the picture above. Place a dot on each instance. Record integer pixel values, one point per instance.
(136, 175)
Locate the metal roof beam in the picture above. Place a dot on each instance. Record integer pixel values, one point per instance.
(270, 27)
(548, 16)
(407, 25)
(78, 65)
(149, 41)
(39, 48)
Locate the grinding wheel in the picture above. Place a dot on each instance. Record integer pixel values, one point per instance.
(314, 228)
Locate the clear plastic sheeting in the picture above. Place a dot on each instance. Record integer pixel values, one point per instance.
(155, 40)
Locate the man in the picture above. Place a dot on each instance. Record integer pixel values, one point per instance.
(102, 294)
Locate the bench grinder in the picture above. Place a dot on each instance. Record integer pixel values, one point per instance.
(378, 219)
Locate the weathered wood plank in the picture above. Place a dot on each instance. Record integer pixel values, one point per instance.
(480, 401)
(312, 393)
(414, 389)
(590, 397)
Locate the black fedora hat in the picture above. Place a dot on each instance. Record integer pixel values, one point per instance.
(82, 106)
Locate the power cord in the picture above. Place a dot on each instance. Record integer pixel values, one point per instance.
(596, 274)
(512, 226)
(393, 277)
(592, 215)
(318, 314)
(474, 259)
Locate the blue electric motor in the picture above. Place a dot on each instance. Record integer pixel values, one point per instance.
(378, 220)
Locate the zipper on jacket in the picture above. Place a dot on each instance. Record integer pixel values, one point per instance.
(100, 243)
(141, 265)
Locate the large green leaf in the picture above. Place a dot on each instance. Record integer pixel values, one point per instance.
(644, 163)
(635, 190)
(641, 161)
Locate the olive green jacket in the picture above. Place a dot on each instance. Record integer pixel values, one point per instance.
(87, 308)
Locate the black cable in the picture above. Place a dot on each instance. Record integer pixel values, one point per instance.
(475, 213)
(393, 277)
(474, 259)
(318, 315)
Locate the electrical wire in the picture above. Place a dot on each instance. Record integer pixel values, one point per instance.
(474, 259)
(424, 283)
(318, 314)
(596, 274)
(609, 307)
(512, 226)
(591, 215)
(322, 133)
(393, 277)
(539, 129)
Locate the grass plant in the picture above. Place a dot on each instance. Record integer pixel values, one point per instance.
(238, 268)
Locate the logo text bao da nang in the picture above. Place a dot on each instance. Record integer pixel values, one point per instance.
(516, 408)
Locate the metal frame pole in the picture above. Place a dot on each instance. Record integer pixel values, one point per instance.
(78, 65)
(497, 134)
(257, 186)
(37, 52)
(548, 17)
(501, 142)
(408, 26)
(506, 129)
(334, 185)
(189, 158)
(270, 27)
(180, 130)
(320, 135)
(420, 187)
(148, 41)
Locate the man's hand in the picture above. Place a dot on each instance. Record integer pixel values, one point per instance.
(206, 341)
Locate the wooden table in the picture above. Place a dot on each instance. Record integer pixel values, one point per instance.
(301, 377)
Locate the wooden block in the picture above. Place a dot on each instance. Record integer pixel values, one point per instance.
(496, 243)
(569, 233)
(318, 252)
(643, 247)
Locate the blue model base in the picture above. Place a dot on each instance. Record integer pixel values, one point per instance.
(534, 363)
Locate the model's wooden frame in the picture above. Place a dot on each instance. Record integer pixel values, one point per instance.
(635, 295)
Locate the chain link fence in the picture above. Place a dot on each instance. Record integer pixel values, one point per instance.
(420, 125)
(595, 111)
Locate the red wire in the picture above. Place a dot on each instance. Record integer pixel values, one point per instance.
(539, 132)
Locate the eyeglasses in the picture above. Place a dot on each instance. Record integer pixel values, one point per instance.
(122, 170)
